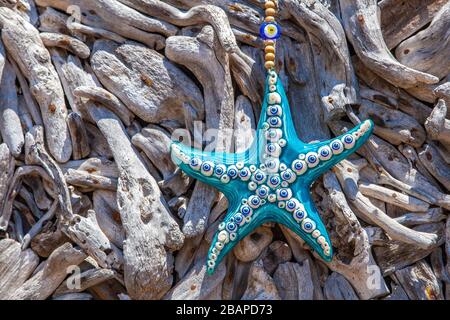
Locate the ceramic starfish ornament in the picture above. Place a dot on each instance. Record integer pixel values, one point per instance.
(270, 181)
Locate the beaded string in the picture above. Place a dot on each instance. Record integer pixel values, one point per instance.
(269, 32)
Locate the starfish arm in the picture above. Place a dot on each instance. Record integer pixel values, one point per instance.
(238, 223)
(305, 221)
(218, 169)
(330, 152)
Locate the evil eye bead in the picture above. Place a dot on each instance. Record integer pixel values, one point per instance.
(254, 202)
(273, 149)
(269, 31)
(246, 211)
(324, 153)
(263, 192)
(232, 172)
(274, 98)
(299, 214)
(299, 167)
(284, 194)
(219, 170)
(273, 135)
(292, 204)
(223, 236)
(207, 168)
(274, 181)
(308, 225)
(231, 227)
(337, 146)
(239, 219)
(272, 165)
(274, 110)
(312, 159)
(259, 176)
(245, 174)
(348, 140)
(288, 176)
(195, 163)
(275, 122)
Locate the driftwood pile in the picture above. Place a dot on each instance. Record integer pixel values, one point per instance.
(91, 92)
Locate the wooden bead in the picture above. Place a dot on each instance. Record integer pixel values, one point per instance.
(269, 64)
(269, 19)
(269, 42)
(270, 12)
(270, 5)
(269, 49)
(270, 57)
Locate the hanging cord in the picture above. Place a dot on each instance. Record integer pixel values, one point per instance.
(270, 31)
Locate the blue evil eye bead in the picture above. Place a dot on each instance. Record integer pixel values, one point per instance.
(259, 176)
(272, 165)
(308, 225)
(273, 150)
(299, 214)
(223, 236)
(324, 153)
(274, 110)
(274, 181)
(288, 175)
(274, 98)
(219, 170)
(246, 211)
(337, 147)
(239, 219)
(231, 227)
(275, 122)
(232, 172)
(245, 174)
(348, 140)
(254, 202)
(292, 204)
(207, 168)
(312, 159)
(195, 163)
(299, 166)
(269, 31)
(273, 135)
(284, 194)
(263, 192)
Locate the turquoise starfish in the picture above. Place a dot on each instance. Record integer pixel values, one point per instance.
(270, 181)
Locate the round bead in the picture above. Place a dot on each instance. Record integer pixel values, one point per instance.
(246, 211)
(273, 80)
(270, 57)
(207, 168)
(259, 176)
(315, 233)
(312, 159)
(275, 122)
(337, 146)
(269, 64)
(252, 186)
(233, 236)
(245, 174)
(308, 225)
(284, 194)
(324, 153)
(254, 202)
(274, 98)
(274, 181)
(282, 143)
(225, 179)
(211, 264)
(269, 19)
(348, 140)
(272, 198)
(270, 4)
(269, 49)
(223, 236)
(195, 163)
(240, 165)
(219, 246)
(321, 240)
(270, 12)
